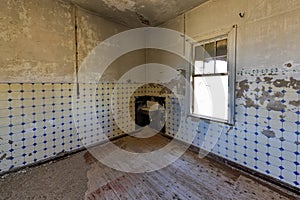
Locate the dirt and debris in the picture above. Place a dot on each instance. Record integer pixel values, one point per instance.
(62, 179)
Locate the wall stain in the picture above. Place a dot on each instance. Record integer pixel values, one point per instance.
(297, 143)
(295, 103)
(269, 133)
(10, 142)
(289, 65)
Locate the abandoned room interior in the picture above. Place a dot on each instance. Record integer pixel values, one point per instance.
(150, 99)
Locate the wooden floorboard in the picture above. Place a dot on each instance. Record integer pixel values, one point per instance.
(187, 178)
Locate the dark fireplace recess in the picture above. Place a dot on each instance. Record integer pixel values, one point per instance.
(150, 108)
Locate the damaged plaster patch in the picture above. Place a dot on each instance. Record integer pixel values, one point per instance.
(280, 83)
(292, 83)
(243, 86)
(250, 103)
(121, 5)
(273, 104)
(142, 19)
(295, 103)
(276, 106)
(268, 80)
(269, 133)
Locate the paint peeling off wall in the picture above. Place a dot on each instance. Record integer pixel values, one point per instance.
(92, 30)
(36, 41)
(38, 119)
(265, 136)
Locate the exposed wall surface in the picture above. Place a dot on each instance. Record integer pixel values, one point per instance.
(39, 121)
(36, 41)
(38, 115)
(265, 136)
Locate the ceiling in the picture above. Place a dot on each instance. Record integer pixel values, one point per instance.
(137, 13)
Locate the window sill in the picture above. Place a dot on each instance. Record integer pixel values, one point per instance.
(199, 117)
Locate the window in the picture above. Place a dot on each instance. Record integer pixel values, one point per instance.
(213, 95)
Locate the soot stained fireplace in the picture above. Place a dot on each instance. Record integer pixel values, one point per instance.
(150, 111)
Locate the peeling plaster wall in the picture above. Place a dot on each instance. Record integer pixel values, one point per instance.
(36, 41)
(92, 30)
(37, 63)
(266, 135)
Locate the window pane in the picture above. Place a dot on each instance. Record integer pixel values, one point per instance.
(199, 53)
(222, 47)
(211, 96)
(198, 67)
(199, 57)
(221, 65)
(209, 66)
(210, 50)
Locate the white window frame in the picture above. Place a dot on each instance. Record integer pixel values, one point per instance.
(231, 63)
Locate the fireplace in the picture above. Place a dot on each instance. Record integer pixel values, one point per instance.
(150, 111)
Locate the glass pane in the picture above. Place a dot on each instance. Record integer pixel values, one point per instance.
(221, 65)
(199, 53)
(209, 66)
(199, 57)
(198, 67)
(222, 47)
(210, 50)
(211, 96)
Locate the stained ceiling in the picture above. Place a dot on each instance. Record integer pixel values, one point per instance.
(137, 13)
